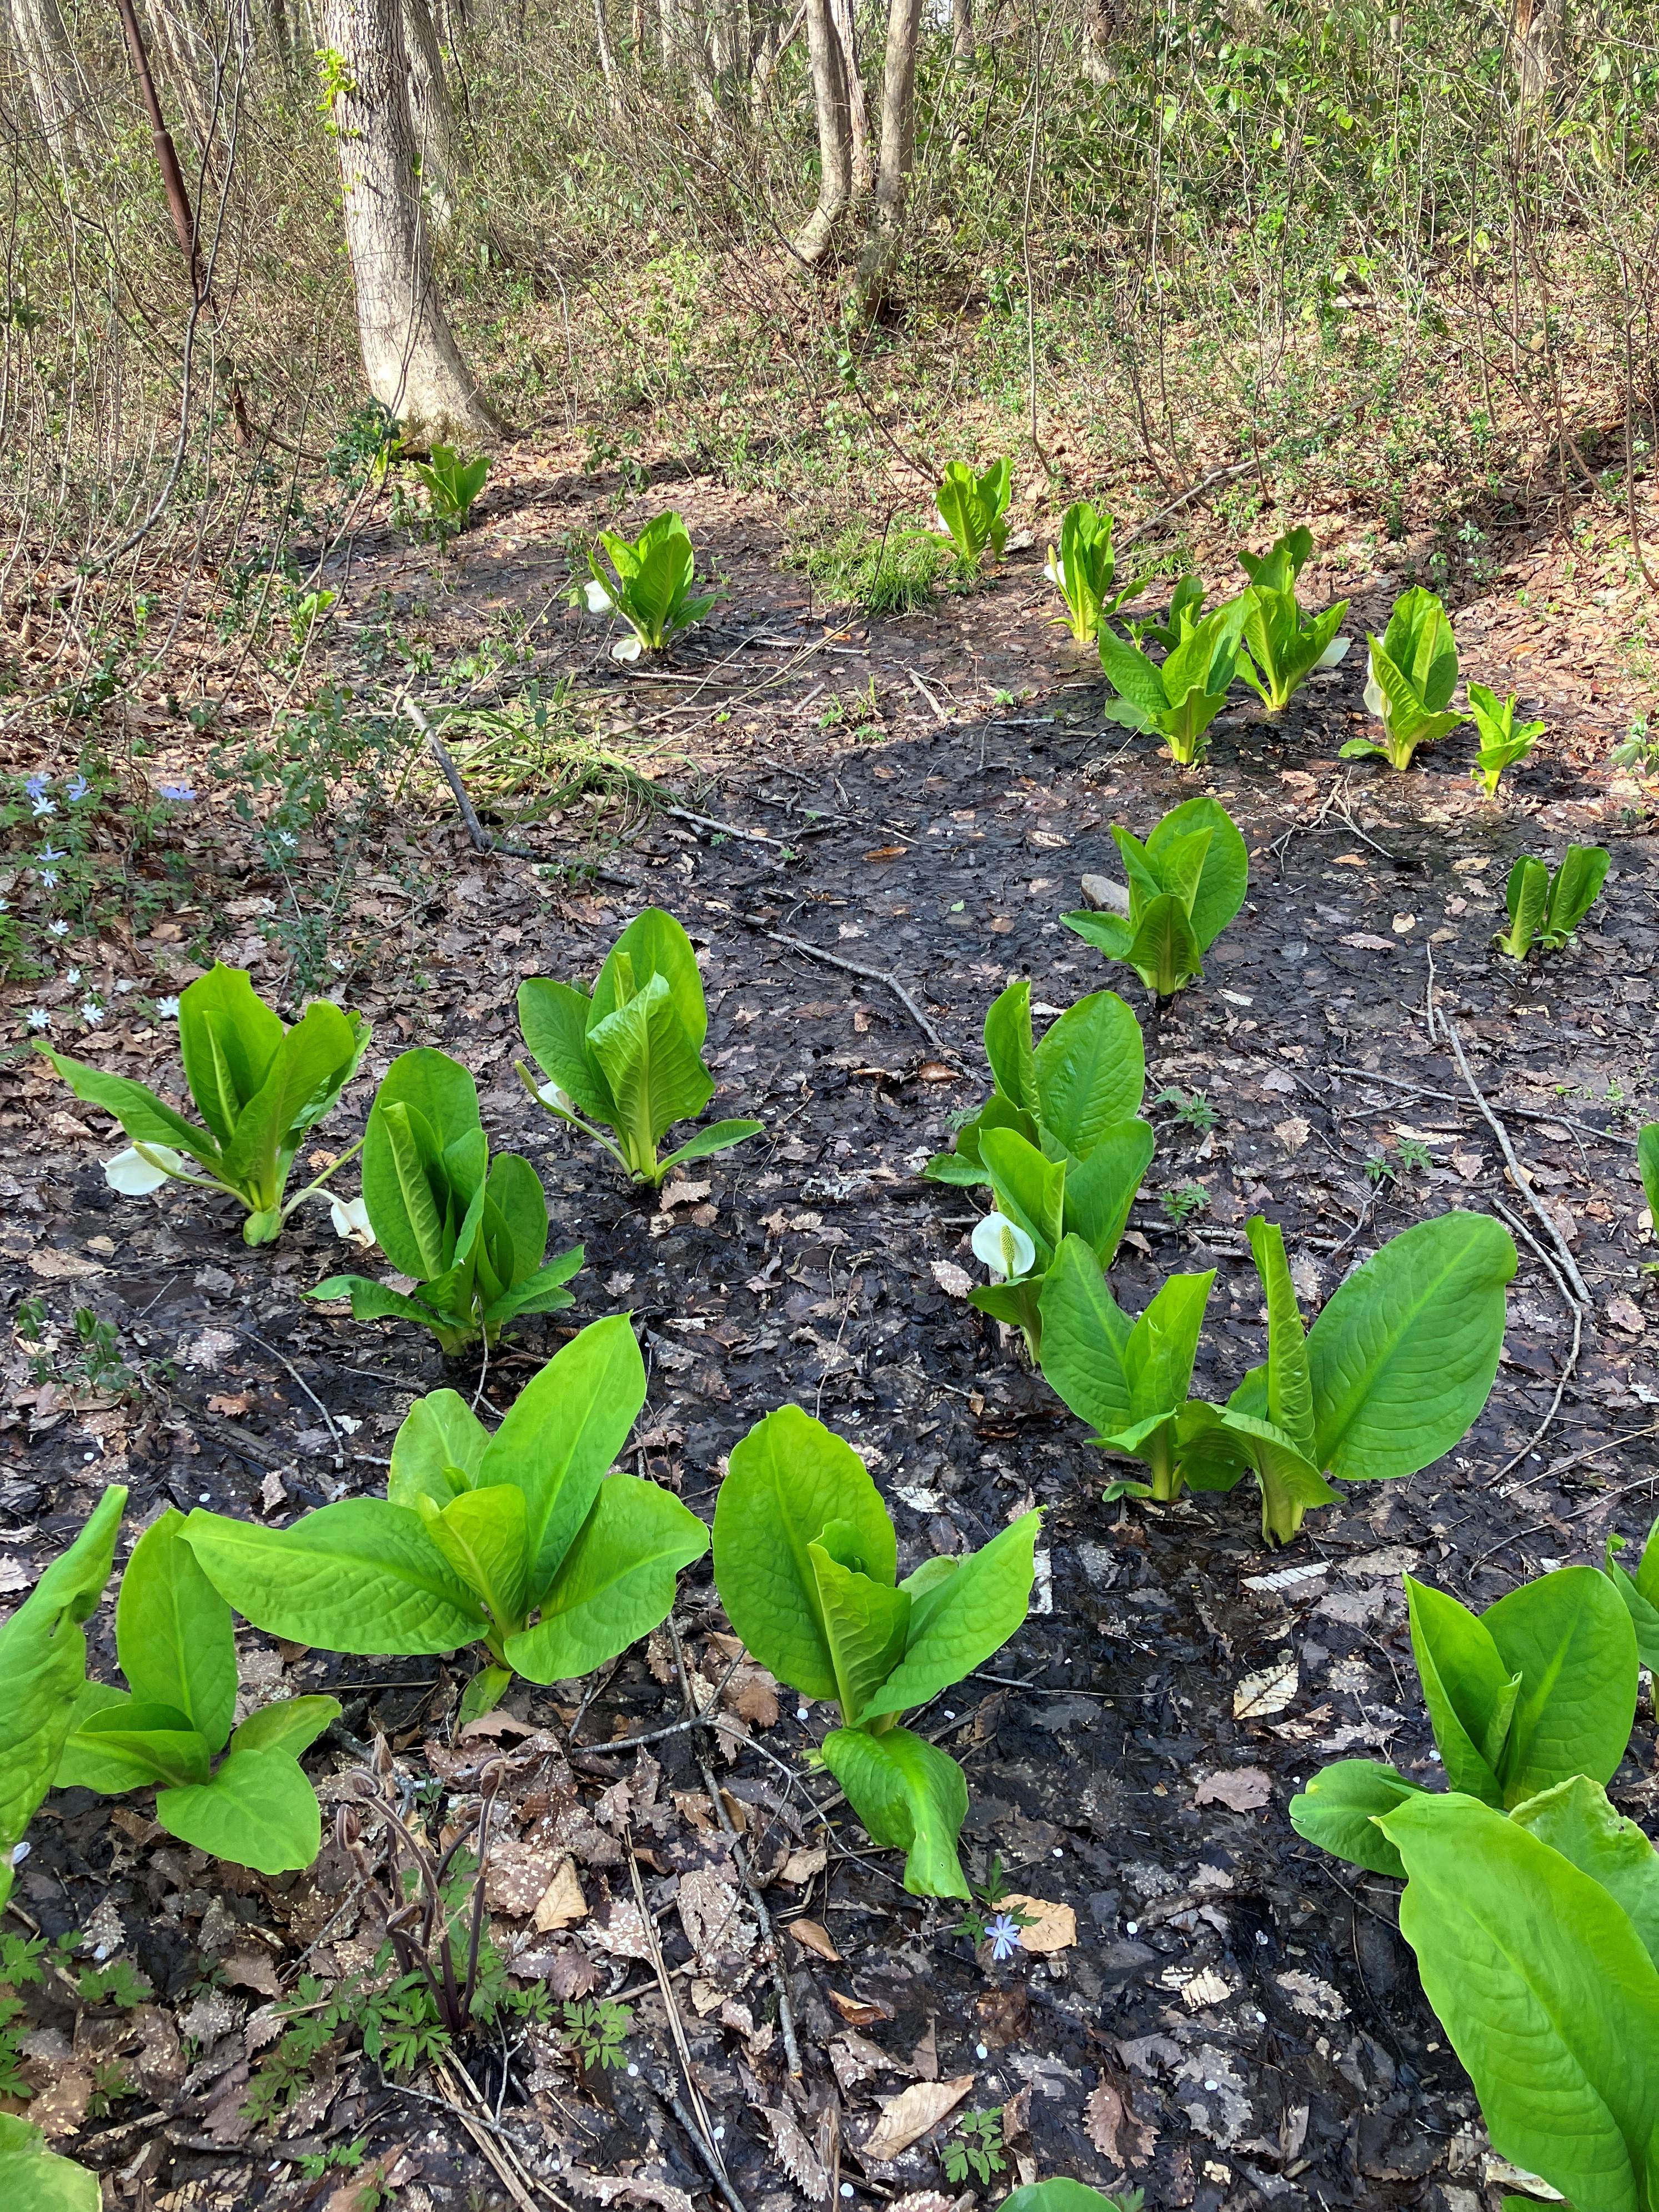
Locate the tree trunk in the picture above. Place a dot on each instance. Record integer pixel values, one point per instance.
(282, 39)
(898, 146)
(43, 47)
(1535, 44)
(189, 66)
(429, 112)
(835, 132)
(607, 59)
(779, 38)
(1097, 23)
(858, 113)
(412, 362)
(961, 34)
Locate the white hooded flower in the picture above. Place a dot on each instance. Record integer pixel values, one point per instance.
(1335, 651)
(626, 648)
(550, 1094)
(1003, 1246)
(133, 1175)
(1050, 570)
(350, 1220)
(599, 601)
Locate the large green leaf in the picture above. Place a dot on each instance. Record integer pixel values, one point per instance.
(616, 1582)
(1164, 951)
(35, 2179)
(406, 1172)
(373, 1301)
(653, 944)
(1469, 1692)
(42, 1665)
(863, 1624)
(1647, 1163)
(1340, 1808)
(562, 1433)
(1100, 1192)
(1030, 1190)
(1403, 1355)
(515, 1189)
(960, 1618)
(306, 1074)
(1569, 1638)
(1134, 676)
(1290, 1385)
(1086, 1337)
(1640, 1591)
(172, 1631)
(146, 1118)
(89, 1763)
(227, 1039)
(291, 1725)
(1109, 933)
(361, 1577)
(1546, 1993)
(786, 1481)
(1008, 1045)
(554, 1019)
(716, 1137)
(1090, 1071)
(258, 1811)
(481, 1534)
(437, 1451)
(156, 1738)
(1162, 1344)
(651, 1063)
(542, 1292)
(910, 1798)
(1575, 1819)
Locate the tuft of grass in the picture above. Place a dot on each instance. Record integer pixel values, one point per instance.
(890, 572)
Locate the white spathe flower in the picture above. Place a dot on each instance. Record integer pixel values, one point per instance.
(135, 1176)
(1003, 1246)
(1052, 573)
(1376, 698)
(599, 601)
(626, 648)
(1335, 651)
(350, 1220)
(550, 1094)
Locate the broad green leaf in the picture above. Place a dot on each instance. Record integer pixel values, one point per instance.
(1575, 1819)
(1099, 1192)
(1158, 1357)
(172, 1632)
(1640, 1592)
(87, 1763)
(651, 1065)
(1647, 1162)
(1180, 863)
(1132, 674)
(157, 1738)
(35, 2179)
(1403, 1355)
(553, 1017)
(483, 1693)
(910, 1798)
(515, 1189)
(373, 1301)
(146, 1118)
(1339, 1810)
(361, 1577)
(1574, 887)
(406, 1189)
(957, 1623)
(1089, 1072)
(559, 1436)
(1008, 1045)
(1569, 1638)
(864, 1625)
(785, 1480)
(1226, 875)
(653, 944)
(482, 1535)
(542, 1292)
(1164, 951)
(42, 1665)
(227, 1039)
(437, 1450)
(1546, 1993)
(1290, 1385)
(614, 1583)
(1108, 934)
(1290, 1481)
(292, 1725)
(1085, 1338)
(1057, 2194)
(438, 1088)
(1469, 1691)
(258, 1811)
(306, 1074)
(1525, 895)
(718, 1137)
(1030, 1190)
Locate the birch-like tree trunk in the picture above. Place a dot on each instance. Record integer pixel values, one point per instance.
(829, 71)
(429, 111)
(898, 147)
(412, 362)
(961, 34)
(607, 58)
(42, 45)
(1535, 43)
(858, 113)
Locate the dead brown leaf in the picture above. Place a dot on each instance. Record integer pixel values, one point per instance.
(796, 2155)
(1050, 1927)
(1240, 1789)
(907, 2118)
(857, 2012)
(1109, 2120)
(813, 1935)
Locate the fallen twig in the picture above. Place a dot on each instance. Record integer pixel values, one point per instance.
(328, 1417)
(1577, 1312)
(700, 2130)
(1238, 469)
(1522, 1179)
(869, 975)
(1451, 1098)
(940, 714)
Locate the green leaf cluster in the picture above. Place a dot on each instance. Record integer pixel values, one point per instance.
(472, 1232)
(520, 1541)
(451, 484)
(1394, 1373)
(35, 2179)
(258, 1085)
(971, 508)
(1182, 697)
(1639, 1590)
(628, 1055)
(1084, 571)
(1502, 743)
(1412, 674)
(649, 585)
(1186, 608)
(805, 1562)
(1059, 1141)
(1185, 885)
(1062, 2194)
(43, 1667)
(1546, 906)
(177, 1649)
(1282, 645)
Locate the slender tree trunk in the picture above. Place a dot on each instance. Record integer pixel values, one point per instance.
(429, 111)
(607, 59)
(828, 70)
(898, 146)
(187, 64)
(858, 113)
(43, 47)
(779, 38)
(412, 362)
(1535, 29)
(961, 34)
(1097, 21)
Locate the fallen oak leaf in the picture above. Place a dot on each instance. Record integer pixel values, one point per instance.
(857, 2012)
(813, 1935)
(904, 2120)
(1047, 1926)
(1240, 1789)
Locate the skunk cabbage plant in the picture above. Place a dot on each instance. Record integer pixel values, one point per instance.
(1185, 885)
(1282, 645)
(649, 587)
(1413, 675)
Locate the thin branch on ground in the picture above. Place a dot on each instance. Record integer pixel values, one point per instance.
(1523, 1176)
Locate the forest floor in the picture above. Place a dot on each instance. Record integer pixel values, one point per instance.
(1206, 2007)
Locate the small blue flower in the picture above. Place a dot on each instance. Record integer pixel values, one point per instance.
(92, 1013)
(47, 853)
(34, 785)
(1003, 1935)
(181, 794)
(77, 789)
(167, 1009)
